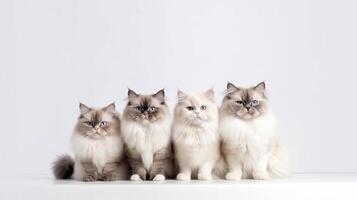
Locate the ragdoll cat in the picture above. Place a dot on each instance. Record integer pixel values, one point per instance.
(248, 132)
(97, 146)
(146, 133)
(195, 136)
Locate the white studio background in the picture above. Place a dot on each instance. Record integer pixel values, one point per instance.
(54, 54)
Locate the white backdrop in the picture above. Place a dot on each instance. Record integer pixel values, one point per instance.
(57, 53)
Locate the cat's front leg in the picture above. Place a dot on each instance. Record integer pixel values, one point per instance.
(235, 167)
(205, 171)
(138, 169)
(110, 172)
(184, 175)
(90, 170)
(260, 169)
(157, 171)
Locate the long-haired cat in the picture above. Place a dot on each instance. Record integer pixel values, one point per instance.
(195, 135)
(97, 146)
(248, 132)
(146, 133)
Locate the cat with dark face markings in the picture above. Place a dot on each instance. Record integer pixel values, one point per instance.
(248, 133)
(146, 133)
(98, 148)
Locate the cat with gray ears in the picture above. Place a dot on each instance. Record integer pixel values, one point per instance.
(249, 135)
(146, 133)
(98, 148)
(195, 136)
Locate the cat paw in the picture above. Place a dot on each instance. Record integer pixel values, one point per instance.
(89, 179)
(183, 177)
(204, 177)
(135, 177)
(261, 176)
(233, 176)
(159, 177)
(107, 178)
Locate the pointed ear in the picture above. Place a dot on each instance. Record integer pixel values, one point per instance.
(180, 94)
(260, 87)
(160, 95)
(231, 86)
(132, 94)
(209, 93)
(83, 108)
(110, 108)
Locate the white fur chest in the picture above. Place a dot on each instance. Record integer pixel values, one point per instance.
(196, 145)
(253, 137)
(146, 139)
(194, 137)
(98, 151)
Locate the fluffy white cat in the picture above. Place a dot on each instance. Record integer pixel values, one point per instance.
(195, 136)
(248, 132)
(97, 146)
(146, 127)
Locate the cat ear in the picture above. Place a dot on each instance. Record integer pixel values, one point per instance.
(209, 93)
(231, 86)
(132, 94)
(260, 87)
(110, 108)
(180, 94)
(160, 95)
(83, 108)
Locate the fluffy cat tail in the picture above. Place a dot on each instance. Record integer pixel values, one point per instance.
(63, 167)
(278, 165)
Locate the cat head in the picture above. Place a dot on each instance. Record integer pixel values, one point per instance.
(196, 109)
(146, 108)
(245, 103)
(97, 123)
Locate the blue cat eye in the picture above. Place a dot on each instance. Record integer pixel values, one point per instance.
(189, 108)
(255, 103)
(89, 123)
(103, 123)
(151, 109)
(239, 102)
